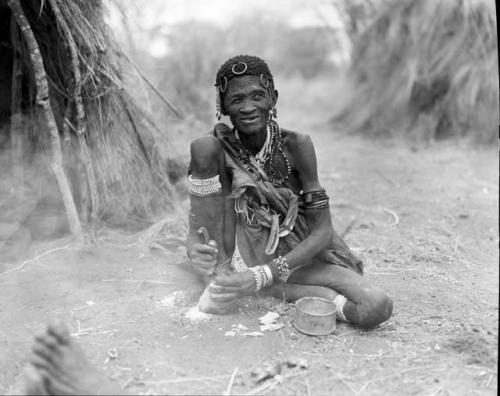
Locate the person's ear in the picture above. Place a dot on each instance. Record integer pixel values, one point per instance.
(274, 97)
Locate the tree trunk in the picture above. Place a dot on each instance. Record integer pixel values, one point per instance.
(81, 127)
(16, 118)
(43, 102)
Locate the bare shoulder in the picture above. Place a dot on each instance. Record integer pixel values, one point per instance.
(296, 142)
(302, 157)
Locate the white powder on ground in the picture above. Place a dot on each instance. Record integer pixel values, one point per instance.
(171, 300)
(195, 315)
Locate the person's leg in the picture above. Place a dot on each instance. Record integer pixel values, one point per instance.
(209, 188)
(366, 304)
(291, 292)
(58, 366)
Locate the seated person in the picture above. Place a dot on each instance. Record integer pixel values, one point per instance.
(255, 187)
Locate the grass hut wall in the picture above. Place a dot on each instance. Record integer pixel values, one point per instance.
(427, 68)
(107, 140)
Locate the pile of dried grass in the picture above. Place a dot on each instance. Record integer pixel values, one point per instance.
(428, 69)
(130, 178)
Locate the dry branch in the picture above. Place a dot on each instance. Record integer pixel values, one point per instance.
(81, 127)
(153, 88)
(16, 121)
(43, 102)
(231, 381)
(392, 213)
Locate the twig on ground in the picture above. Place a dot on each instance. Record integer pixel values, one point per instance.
(272, 383)
(349, 227)
(139, 281)
(455, 246)
(308, 387)
(231, 381)
(348, 386)
(185, 379)
(19, 267)
(392, 213)
(387, 178)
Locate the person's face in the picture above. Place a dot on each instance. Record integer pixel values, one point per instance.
(247, 104)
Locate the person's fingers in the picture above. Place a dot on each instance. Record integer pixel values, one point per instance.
(39, 362)
(40, 349)
(227, 280)
(49, 340)
(203, 271)
(60, 331)
(221, 289)
(217, 289)
(204, 260)
(224, 297)
(204, 248)
(34, 381)
(203, 266)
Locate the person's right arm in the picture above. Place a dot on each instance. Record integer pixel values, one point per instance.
(203, 257)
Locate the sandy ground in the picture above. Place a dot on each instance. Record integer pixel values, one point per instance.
(426, 224)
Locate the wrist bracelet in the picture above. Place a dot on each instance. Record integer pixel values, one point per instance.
(340, 301)
(256, 277)
(269, 275)
(282, 267)
(262, 275)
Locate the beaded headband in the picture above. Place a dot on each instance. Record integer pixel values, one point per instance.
(241, 65)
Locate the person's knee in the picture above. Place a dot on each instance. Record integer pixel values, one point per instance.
(376, 309)
(205, 154)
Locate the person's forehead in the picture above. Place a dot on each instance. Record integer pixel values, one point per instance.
(243, 84)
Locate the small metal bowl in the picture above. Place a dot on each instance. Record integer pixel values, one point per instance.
(315, 316)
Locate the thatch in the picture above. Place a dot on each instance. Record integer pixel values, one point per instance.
(130, 178)
(427, 68)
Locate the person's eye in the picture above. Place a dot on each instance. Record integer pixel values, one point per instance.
(258, 96)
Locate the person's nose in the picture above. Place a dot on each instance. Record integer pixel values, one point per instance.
(248, 107)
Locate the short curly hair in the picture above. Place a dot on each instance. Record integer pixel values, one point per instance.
(238, 66)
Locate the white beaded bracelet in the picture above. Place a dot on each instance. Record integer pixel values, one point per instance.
(256, 277)
(269, 275)
(262, 275)
(340, 301)
(204, 187)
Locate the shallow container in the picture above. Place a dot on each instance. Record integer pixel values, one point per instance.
(315, 316)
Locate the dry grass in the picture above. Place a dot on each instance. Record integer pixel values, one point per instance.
(428, 69)
(132, 181)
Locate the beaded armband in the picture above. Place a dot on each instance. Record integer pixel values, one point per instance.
(204, 187)
(315, 200)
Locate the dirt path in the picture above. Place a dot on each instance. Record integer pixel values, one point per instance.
(426, 225)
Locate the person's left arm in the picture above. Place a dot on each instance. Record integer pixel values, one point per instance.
(317, 211)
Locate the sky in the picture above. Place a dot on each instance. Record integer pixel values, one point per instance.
(298, 13)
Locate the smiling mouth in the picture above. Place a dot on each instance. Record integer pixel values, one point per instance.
(249, 120)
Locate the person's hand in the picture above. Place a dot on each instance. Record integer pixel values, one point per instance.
(203, 257)
(230, 286)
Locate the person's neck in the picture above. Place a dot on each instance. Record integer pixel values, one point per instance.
(254, 142)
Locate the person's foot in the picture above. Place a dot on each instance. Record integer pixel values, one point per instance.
(34, 384)
(59, 367)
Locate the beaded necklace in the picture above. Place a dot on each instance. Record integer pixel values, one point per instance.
(271, 167)
(270, 152)
(263, 155)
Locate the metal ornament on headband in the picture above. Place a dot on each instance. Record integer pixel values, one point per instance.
(223, 84)
(242, 69)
